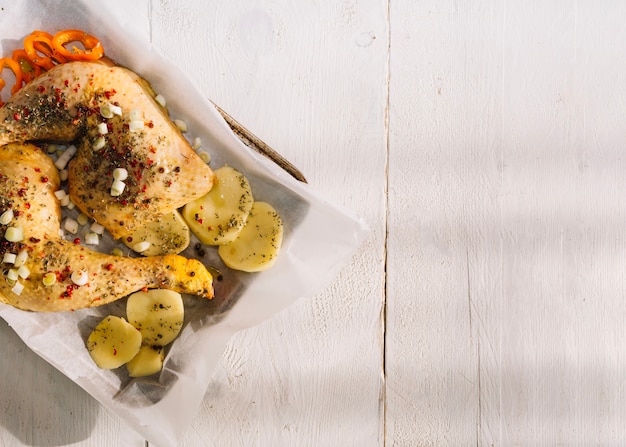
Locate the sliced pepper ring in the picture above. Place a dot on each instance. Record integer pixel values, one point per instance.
(46, 49)
(93, 49)
(39, 42)
(2, 84)
(29, 70)
(7, 62)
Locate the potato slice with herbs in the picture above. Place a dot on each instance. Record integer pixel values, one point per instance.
(157, 314)
(169, 235)
(113, 342)
(217, 217)
(258, 243)
(148, 361)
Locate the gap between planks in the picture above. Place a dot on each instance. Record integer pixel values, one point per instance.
(386, 225)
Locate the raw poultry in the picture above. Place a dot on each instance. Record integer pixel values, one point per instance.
(57, 274)
(110, 113)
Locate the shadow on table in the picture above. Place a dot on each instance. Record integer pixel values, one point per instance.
(40, 406)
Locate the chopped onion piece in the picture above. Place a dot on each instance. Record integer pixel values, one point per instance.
(117, 188)
(21, 258)
(9, 258)
(182, 126)
(71, 225)
(97, 228)
(60, 194)
(161, 100)
(23, 272)
(80, 278)
(116, 110)
(65, 157)
(99, 143)
(105, 111)
(17, 288)
(7, 217)
(63, 174)
(14, 234)
(12, 275)
(65, 201)
(49, 279)
(197, 143)
(103, 129)
(140, 247)
(120, 174)
(204, 156)
(135, 126)
(92, 239)
(82, 219)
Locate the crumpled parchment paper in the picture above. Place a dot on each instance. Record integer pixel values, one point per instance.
(319, 240)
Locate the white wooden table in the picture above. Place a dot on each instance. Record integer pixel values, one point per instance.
(483, 143)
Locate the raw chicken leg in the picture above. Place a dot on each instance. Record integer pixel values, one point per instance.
(82, 278)
(111, 114)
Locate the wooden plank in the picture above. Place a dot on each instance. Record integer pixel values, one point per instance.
(310, 81)
(563, 381)
(40, 406)
(443, 257)
(506, 236)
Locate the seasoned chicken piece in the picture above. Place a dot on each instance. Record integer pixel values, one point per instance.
(112, 115)
(54, 274)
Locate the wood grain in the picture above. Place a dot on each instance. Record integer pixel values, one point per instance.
(310, 81)
(42, 407)
(483, 144)
(506, 309)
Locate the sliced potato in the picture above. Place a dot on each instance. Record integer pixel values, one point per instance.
(113, 342)
(258, 243)
(169, 235)
(217, 217)
(157, 314)
(148, 361)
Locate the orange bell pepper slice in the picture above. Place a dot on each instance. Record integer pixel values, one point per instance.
(7, 62)
(42, 51)
(29, 70)
(93, 49)
(45, 49)
(2, 84)
(39, 42)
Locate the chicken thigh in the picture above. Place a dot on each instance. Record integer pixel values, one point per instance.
(56, 274)
(112, 116)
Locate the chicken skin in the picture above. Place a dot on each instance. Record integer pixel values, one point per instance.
(28, 180)
(110, 113)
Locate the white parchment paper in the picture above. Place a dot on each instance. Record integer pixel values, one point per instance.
(319, 240)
